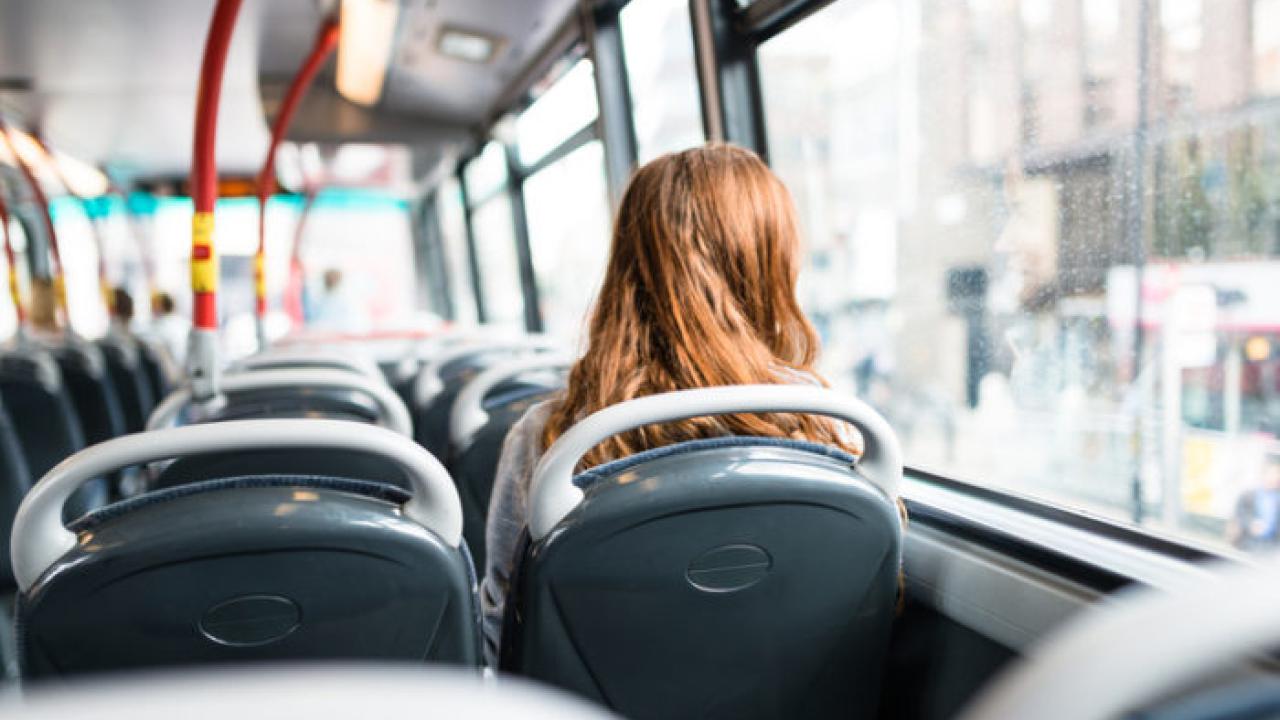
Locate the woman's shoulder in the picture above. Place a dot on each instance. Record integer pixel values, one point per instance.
(528, 429)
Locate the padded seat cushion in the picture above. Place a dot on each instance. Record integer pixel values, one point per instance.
(377, 490)
(333, 464)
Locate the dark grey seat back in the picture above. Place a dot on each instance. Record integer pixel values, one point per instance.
(92, 392)
(735, 578)
(258, 568)
(34, 394)
(129, 379)
(15, 480)
(327, 403)
(431, 422)
(153, 367)
(474, 468)
(46, 423)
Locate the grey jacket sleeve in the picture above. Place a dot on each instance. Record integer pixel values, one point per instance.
(509, 515)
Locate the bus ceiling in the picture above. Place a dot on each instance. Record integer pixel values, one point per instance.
(111, 82)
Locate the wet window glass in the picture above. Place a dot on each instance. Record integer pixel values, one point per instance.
(1050, 255)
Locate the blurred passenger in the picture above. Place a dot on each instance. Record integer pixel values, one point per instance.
(169, 328)
(121, 311)
(1256, 523)
(43, 316)
(699, 291)
(335, 310)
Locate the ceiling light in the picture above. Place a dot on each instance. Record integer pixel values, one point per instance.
(364, 48)
(82, 179)
(30, 152)
(468, 45)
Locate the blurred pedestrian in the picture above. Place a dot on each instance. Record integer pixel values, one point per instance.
(1256, 523)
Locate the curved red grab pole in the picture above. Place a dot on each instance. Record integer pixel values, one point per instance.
(325, 43)
(104, 286)
(15, 289)
(59, 280)
(204, 172)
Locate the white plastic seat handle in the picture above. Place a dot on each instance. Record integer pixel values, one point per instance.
(289, 358)
(429, 383)
(1128, 652)
(553, 494)
(468, 414)
(395, 415)
(39, 537)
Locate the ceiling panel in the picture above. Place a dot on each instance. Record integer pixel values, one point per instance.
(423, 80)
(113, 81)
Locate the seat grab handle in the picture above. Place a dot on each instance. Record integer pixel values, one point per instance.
(553, 494)
(395, 414)
(468, 414)
(429, 384)
(39, 537)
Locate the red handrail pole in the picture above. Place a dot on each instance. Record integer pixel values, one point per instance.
(325, 43)
(15, 288)
(104, 287)
(59, 280)
(204, 194)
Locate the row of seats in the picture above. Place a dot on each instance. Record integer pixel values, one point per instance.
(57, 398)
(282, 530)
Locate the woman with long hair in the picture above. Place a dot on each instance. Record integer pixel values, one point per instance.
(699, 291)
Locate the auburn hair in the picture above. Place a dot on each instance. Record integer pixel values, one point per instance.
(699, 291)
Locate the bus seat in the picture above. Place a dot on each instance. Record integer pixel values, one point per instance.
(254, 568)
(155, 366)
(444, 376)
(482, 416)
(290, 393)
(91, 390)
(123, 356)
(32, 387)
(15, 480)
(729, 577)
(283, 402)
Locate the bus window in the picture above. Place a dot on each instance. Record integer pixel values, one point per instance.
(567, 105)
(658, 45)
(18, 239)
(453, 229)
(499, 268)
(569, 236)
(374, 285)
(1266, 47)
(486, 174)
(78, 247)
(988, 265)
